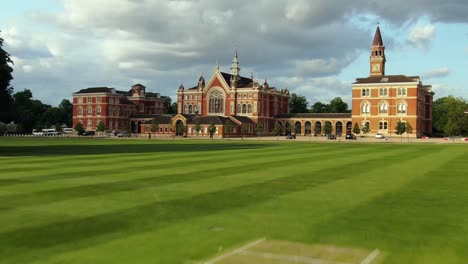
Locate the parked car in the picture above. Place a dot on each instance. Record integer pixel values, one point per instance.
(112, 133)
(123, 134)
(37, 133)
(291, 136)
(331, 137)
(89, 133)
(379, 136)
(350, 137)
(68, 130)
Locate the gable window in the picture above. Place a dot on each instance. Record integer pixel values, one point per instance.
(216, 102)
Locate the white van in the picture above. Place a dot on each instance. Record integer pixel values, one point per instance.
(68, 130)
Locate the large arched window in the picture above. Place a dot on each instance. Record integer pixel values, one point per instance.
(190, 109)
(401, 108)
(249, 108)
(365, 108)
(383, 108)
(239, 108)
(244, 109)
(216, 102)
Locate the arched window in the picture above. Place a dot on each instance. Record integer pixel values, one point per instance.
(365, 108)
(98, 110)
(239, 108)
(195, 109)
(244, 109)
(190, 109)
(249, 108)
(185, 109)
(401, 108)
(216, 102)
(383, 108)
(80, 111)
(90, 110)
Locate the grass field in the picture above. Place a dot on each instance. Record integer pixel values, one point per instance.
(135, 201)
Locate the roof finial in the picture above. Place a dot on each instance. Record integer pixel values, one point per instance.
(217, 63)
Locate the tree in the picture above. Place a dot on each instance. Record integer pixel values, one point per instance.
(337, 105)
(319, 107)
(447, 109)
(66, 112)
(400, 129)
(277, 129)
(298, 104)
(328, 128)
(6, 101)
(79, 128)
(197, 127)
(154, 127)
(259, 129)
(365, 128)
(100, 127)
(211, 129)
(3, 128)
(356, 129)
(409, 129)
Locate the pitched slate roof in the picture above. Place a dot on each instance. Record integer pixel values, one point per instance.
(315, 115)
(387, 79)
(243, 119)
(160, 119)
(97, 90)
(205, 120)
(243, 81)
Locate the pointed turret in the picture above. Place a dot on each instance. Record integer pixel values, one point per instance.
(235, 71)
(235, 65)
(201, 82)
(377, 38)
(377, 56)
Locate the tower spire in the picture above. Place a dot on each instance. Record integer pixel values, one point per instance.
(377, 56)
(235, 65)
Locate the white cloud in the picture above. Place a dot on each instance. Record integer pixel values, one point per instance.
(421, 36)
(436, 73)
(116, 42)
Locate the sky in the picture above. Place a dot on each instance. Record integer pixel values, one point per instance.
(315, 48)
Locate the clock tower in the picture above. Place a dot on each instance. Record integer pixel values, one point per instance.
(377, 57)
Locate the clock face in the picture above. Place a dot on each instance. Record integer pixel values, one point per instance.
(375, 67)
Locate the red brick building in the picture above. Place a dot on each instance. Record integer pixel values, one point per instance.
(237, 102)
(116, 109)
(382, 100)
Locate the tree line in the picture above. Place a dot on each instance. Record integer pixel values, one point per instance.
(300, 104)
(448, 114)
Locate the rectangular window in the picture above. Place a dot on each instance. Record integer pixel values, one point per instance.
(80, 100)
(383, 91)
(99, 99)
(365, 92)
(89, 100)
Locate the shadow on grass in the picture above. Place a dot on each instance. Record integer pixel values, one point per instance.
(55, 150)
(92, 190)
(83, 232)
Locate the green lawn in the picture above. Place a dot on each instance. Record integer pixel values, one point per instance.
(135, 201)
